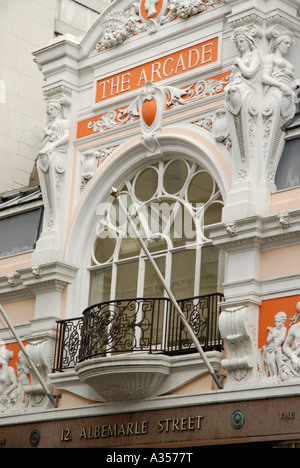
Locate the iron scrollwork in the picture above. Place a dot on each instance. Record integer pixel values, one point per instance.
(132, 325)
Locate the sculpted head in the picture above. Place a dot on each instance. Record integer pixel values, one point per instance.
(244, 40)
(282, 42)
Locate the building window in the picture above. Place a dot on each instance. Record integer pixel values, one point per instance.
(20, 232)
(171, 203)
(288, 172)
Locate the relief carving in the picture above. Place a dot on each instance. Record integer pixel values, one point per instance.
(90, 161)
(119, 25)
(20, 391)
(279, 358)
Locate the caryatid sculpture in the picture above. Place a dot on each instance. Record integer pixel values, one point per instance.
(258, 100)
(278, 82)
(51, 163)
(243, 93)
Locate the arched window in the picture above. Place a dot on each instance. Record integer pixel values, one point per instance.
(171, 202)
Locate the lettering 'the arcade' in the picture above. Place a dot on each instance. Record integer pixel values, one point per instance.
(158, 70)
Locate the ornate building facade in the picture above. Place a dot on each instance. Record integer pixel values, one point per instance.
(155, 302)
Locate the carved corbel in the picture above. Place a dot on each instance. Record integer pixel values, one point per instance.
(36, 271)
(231, 228)
(89, 161)
(284, 219)
(238, 327)
(219, 127)
(14, 279)
(41, 353)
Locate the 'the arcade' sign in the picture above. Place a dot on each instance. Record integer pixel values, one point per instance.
(158, 70)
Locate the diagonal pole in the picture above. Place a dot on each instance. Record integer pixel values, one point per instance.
(30, 361)
(115, 193)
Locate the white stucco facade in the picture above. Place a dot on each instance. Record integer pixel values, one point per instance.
(190, 105)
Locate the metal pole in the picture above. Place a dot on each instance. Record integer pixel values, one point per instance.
(115, 193)
(29, 360)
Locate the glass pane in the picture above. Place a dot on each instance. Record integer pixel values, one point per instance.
(146, 184)
(213, 214)
(104, 249)
(157, 244)
(201, 188)
(152, 285)
(209, 281)
(130, 247)
(19, 233)
(127, 275)
(100, 285)
(175, 176)
(183, 273)
(288, 172)
(183, 229)
(153, 288)
(116, 215)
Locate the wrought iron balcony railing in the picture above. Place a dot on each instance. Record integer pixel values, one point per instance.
(130, 325)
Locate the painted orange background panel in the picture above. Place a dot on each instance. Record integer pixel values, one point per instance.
(171, 65)
(269, 309)
(158, 7)
(15, 348)
(85, 127)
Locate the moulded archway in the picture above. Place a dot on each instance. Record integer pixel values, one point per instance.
(184, 142)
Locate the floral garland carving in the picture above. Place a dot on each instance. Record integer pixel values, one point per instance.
(174, 98)
(119, 25)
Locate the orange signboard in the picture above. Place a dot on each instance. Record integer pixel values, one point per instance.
(171, 65)
(210, 86)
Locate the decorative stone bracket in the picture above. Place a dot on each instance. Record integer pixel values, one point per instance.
(239, 327)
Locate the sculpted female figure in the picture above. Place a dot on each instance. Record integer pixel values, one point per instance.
(275, 339)
(243, 97)
(51, 163)
(56, 135)
(8, 380)
(278, 73)
(245, 73)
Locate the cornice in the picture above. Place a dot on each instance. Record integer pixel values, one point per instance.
(263, 233)
(27, 282)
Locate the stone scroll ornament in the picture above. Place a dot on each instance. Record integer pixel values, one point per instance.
(279, 358)
(238, 328)
(51, 163)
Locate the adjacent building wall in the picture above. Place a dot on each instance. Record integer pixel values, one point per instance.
(26, 25)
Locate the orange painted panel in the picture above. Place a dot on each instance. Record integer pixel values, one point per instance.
(158, 70)
(85, 127)
(158, 8)
(269, 309)
(15, 348)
